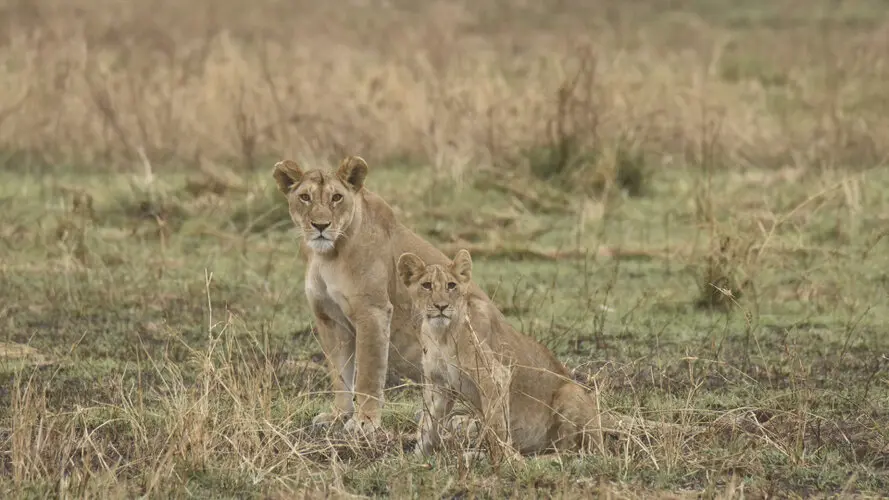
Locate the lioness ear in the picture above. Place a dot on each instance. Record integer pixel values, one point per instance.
(409, 268)
(352, 171)
(462, 265)
(287, 173)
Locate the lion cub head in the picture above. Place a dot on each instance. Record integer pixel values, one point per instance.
(438, 292)
(321, 204)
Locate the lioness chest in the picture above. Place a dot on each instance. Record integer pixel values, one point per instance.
(327, 289)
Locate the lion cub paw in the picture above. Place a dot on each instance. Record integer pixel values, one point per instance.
(512, 457)
(422, 449)
(466, 428)
(472, 457)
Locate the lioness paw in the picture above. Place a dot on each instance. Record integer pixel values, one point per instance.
(326, 419)
(361, 426)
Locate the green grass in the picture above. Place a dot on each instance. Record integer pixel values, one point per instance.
(180, 361)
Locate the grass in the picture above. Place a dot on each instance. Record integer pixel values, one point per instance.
(186, 365)
(685, 203)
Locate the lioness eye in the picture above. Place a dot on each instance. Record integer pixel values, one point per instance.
(305, 197)
(337, 198)
(426, 285)
(452, 285)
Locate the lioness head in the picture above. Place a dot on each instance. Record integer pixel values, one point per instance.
(439, 292)
(321, 204)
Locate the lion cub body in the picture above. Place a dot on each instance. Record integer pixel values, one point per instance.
(526, 397)
(351, 241)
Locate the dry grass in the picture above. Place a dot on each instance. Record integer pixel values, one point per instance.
(448, 84)
(154, 337)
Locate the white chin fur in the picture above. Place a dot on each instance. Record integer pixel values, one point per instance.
(320, 246)
(439, 322)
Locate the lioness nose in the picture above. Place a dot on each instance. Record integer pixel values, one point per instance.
(441, 307)
(321, 226)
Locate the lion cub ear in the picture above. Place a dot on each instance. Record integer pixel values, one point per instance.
(352, 171)
(462, 265)
(409, 268)
(287, 173)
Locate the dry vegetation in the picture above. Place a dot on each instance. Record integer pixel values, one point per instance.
(685, 202)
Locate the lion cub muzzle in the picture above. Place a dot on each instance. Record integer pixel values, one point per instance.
(439, 315)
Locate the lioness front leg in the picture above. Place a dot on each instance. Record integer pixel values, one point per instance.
(338, 345)
(371, 362)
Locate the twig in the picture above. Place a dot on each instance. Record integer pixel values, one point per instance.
(528, 197)
(506, 251)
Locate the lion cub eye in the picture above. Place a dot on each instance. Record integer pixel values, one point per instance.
(427, 285)
(336, 198)
(305, 197)
(451, 285)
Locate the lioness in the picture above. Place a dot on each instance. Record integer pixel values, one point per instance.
(351, 241)
(526, 397)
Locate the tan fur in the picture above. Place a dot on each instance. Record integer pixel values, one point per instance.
(526, 398)
(361, 309)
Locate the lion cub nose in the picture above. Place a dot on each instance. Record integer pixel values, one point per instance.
(321, 226)
(441, 307)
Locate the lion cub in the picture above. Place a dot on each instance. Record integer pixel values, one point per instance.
(526, 398)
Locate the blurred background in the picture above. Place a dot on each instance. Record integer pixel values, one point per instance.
(556, 88)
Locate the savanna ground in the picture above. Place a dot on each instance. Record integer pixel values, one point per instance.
(687, 201)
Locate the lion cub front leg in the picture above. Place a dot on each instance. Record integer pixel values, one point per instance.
(494, 384)
(372, 330)
(438, 402)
